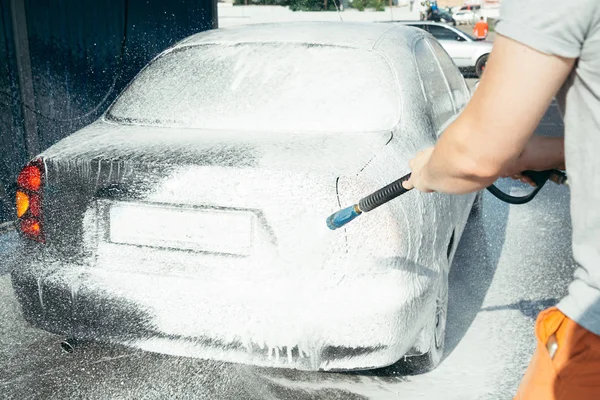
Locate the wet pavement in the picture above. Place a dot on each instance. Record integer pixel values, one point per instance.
(512, 262)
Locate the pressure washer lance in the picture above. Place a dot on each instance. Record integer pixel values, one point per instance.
(395, 189)
(368, 203)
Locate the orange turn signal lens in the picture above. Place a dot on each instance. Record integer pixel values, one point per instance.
(22, 203)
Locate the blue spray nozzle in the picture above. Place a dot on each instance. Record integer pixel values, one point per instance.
(342, 217)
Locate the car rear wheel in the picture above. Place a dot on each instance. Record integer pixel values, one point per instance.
(480, 65)
(423, 363)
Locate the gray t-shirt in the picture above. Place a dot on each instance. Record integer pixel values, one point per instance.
(572, 29)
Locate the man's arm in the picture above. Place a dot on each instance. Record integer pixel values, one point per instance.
(491, 134)
(540, 153)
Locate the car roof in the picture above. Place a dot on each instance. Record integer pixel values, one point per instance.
(360, 35)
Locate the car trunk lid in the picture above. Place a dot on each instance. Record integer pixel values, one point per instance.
(133, 196)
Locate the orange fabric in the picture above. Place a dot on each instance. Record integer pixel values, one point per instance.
(573, 373)
(480, 30)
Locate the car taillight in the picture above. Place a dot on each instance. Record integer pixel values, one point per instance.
(30, 177)
(30, 187)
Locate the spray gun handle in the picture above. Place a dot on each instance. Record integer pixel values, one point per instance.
(559, 177)
(538, 177)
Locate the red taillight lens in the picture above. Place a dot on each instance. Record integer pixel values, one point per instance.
(31, 227)
(30, 186)
(30, 178)
(35, 205)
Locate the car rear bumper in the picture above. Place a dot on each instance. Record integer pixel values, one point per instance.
(310, 321)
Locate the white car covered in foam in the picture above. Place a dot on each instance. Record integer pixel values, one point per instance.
(190, 218)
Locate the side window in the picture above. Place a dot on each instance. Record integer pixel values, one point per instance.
(434, 85)
(442, 33)
(420, 26)
(458, 86)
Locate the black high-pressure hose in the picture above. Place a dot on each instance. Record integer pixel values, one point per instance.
(395, 189)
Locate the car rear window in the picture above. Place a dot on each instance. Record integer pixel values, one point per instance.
(264, 87)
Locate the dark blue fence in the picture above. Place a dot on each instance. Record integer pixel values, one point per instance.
(62, 62)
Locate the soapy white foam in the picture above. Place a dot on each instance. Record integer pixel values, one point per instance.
(279, 89)
(370, 285)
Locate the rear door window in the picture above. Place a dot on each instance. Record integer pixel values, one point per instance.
(435, 87)
(458, 86)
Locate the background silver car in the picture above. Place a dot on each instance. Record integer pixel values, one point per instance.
(468, 53)
(190, 218)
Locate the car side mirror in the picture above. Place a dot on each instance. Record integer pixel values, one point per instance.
(459, 39)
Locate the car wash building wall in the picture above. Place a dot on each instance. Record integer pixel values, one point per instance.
(62, 62)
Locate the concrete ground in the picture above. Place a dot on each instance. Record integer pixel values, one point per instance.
(511, 263)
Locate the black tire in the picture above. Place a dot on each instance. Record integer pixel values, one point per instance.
(416, 365)
(480, 65)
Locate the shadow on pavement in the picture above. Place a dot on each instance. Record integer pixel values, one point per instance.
(529, 308)
(474, 266)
